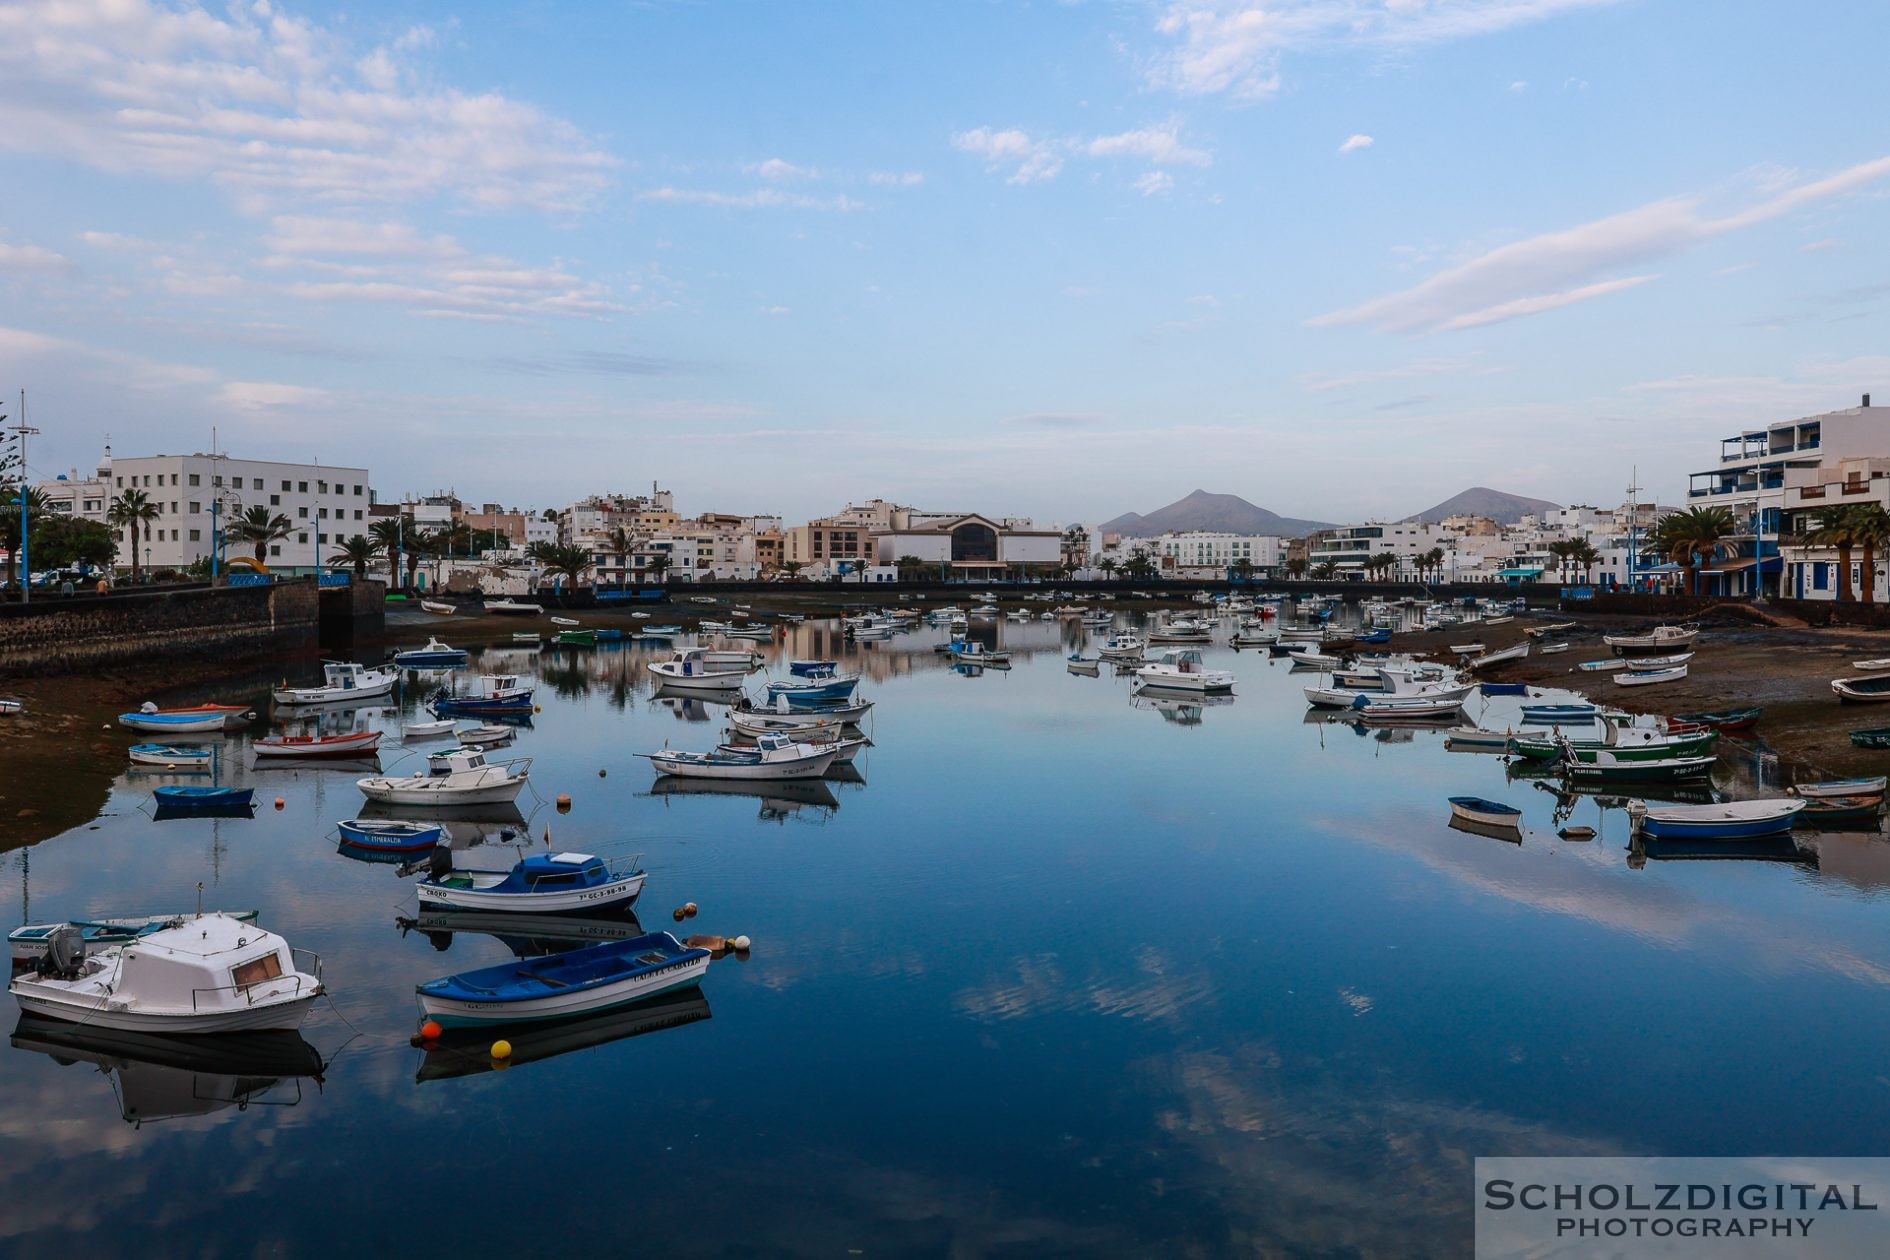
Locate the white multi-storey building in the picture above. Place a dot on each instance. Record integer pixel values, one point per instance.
(323, 504)
(1349, 547)
(88, 498)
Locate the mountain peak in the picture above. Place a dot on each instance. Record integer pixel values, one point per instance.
(1206, 510)
(1499, 505)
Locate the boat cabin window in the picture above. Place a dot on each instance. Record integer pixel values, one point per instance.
(554, 877)
(256, 970)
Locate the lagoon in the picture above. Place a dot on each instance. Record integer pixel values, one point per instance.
(1058, 971)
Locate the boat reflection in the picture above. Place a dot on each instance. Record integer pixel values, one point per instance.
(170, 813)
(467, 1051)
(1183, 708)
(352, 765)
(159, 1077)
(1508, 835)
(526, 935)
(1779, 848)
(778, 800)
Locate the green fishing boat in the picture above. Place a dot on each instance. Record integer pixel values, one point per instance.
(1625, 746)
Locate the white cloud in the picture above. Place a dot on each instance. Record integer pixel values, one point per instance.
(1520, 85)
(274, 108)
(1160, 145)
(1557, 269)
(896, 179)
(1033, 160)
(1154, 182)
(1818, 247)
(32, 258)
(1235, 46)
(1354, 143)
(265, 395)
(775, 169)
(759, 199)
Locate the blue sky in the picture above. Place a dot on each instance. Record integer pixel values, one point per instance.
(1342, 257)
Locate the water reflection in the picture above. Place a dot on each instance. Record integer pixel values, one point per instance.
(525, 935)
(467, 1052)
(778, 800)
(156, 1077)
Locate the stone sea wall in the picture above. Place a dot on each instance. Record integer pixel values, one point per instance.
(67, 635)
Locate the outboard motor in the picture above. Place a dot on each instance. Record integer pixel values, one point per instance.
(440, 861)
(65, 951)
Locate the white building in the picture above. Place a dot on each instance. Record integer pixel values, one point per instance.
(971, 546)
(88, 498)
(1203, 554)
(1349, 547)
(323, 504)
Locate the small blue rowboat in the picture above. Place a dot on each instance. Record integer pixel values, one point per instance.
(1503, 689)
(174, 723)
(391, 835)
(1731, 820)
(827, 686)
(560, 986)
(446, 705)
(1379, 635)
(1485, 813)
(807, 669)
(185, 798)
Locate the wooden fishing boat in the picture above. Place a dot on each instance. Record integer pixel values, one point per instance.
(561, 986)
(1610, 768)
(486, 736)
(1560, 714)
(1874, 737)
(1730, 820)
(170, 756)
(756, 720)
(1411, 706)
(435, 606)
(1871, 786)
(1182, 669)
(1642, 664)
(1474, 739)
(775, 756)
(1650, 678)
(1514, 653)
(1724, 719)
(210, 974)
(1603, 667)
(689, 670)
(435, 655)
(357, 744)
(1630, 744)
(1876, 665)
(182, 799)
(341, 680)
(1662, 639)
(1862, 690)
(489, 693)
(539, 883)
(513, 608)
(391, 835)
(1552, 649)
(173, 723)
(428, 730)
(1823, 810)
(1503, 689)
(469, 780)
(1467, 649)
(1475, 809)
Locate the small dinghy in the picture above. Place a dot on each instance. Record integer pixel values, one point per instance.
(564, 621)
(1475, 809)
(1560, 713)
(559, 986)
(211, 973)
(1823, 811)
(358, 744)
(28, 943)
(1724, 719)
(1551, 649)
(1862, 690)
(774, 756)
(1369, 705)
(486, 736)
(10, 705)
(1874, 737)
(541, 883)
(173, 723)
(389, 835)
(513, 608)
(183, 799)
(755, 720)
(341, 680)
(1732, 820)
(829, 685)
(1476, 740)
(1650, 677)
(1876, 665)
(1515, 653)
(1080, 664)
(435, 655)
(1503, 689)
(435, 606)
(1603, 667)
(170, 757)
(807, 669)
(1872, 786)
(428, 730)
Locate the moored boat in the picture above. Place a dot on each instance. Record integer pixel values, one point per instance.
(513, 608)
(211, 973)
(173, 723)
(1730, 820)
(1724, 719)
(1662, 639)
(184, 799)
(392, 835)
(1605, 766)
(437, 654)
(1862, 690)
(540, 883)
(1822, 811)
(688, 668)
(435, 606)
(470, 780)
(1871, 786)
(1182, 669)
(775, 756)
(357, 744)
(488, 693)
(1650, 678)
(28, 943)
(170, 756)
(341, 680)
(559, 986)
(1475, 809)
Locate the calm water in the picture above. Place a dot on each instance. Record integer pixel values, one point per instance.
(1061, 972)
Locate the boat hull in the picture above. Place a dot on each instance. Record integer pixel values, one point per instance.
(337, 746)
(747, 772)
(618, 892)
(187, 725)
(439, 794)
(461, 1013)
(286, 1014)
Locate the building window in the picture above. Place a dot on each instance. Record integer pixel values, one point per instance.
(275, 550)
(357, 514)
(302, 512)
(275, 500)
(196, 535)
(321, 487)
(255, 485)
(285, 487)
(195, 480)
(301, 487)
(357, 492)
(323, 513)
(302, 538)
(195, 508)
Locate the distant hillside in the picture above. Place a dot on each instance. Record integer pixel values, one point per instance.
(1218, 513)
(1504, 509)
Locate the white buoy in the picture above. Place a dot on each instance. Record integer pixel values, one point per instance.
(740, 942)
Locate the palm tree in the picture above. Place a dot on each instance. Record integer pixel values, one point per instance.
(1296, 569)
(659, 564)
(792, 568)
(566, 559)
(261, 527)
(621, 545)
(420, 545)
(909, 567)
(359, 551)
(1583, 553)
(1838, 527)
(1325, 571)
(1698, 534)
(1871, 525)
(1434, 560)
(1108, 566)
(35, 506)
(132, 511)
(392, 536)
(1384, 562)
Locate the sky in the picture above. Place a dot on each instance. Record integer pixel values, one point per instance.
(1341, 257)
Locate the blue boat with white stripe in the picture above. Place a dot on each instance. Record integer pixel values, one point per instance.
(822, 685)
(561, 986)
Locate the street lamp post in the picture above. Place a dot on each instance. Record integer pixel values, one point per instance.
(26, 559)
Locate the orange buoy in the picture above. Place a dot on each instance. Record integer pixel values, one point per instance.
(679, 914)
(564, 802)
(280, 802)
(431, 1029)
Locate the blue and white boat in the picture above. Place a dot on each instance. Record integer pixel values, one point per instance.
(822, 685)
(806, 669)
(389, 835)
(541, 883)
(179, 799)
(435, 655)
(182, 759)
(1730, 820)
(559, 986)
(173, 723)
(1485, 813)
(1554, 713)
(490, 693)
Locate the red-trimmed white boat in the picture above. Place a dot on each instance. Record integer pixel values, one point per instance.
(357, 744)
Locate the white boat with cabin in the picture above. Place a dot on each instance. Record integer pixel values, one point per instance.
(1182, 669)
(469, 780)
(341, 680)
(690, 668)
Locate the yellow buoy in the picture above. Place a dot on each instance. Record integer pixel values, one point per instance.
(501, 1049)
